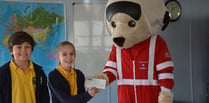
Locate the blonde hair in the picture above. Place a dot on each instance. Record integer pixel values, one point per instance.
(63, 43)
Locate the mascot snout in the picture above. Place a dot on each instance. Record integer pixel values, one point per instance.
(119, 41)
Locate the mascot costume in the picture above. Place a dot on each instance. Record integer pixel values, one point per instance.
(140, 60)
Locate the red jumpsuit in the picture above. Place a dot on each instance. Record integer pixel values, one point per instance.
(142, 71)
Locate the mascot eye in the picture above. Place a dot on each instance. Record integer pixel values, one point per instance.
(131, 23)
(113, 24)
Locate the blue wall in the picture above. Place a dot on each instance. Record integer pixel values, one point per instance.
(189, 45)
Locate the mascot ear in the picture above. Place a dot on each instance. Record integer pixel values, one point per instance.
(166, 20)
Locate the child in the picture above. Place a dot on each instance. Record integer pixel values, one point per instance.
(65, 82)
(21, 80)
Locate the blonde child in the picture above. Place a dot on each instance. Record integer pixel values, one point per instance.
(67, 83)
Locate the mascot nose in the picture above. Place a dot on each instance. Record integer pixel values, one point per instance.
(119, 41)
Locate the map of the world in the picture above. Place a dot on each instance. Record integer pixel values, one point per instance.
(44, 21)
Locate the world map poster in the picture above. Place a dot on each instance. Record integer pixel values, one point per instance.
(44, 21)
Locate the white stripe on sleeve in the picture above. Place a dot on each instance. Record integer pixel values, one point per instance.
(164, 65)
(110, 70)
(164, 89)
(111, 64)
(165, 76)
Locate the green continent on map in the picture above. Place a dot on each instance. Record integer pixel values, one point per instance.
(39, 23)
(39, 18)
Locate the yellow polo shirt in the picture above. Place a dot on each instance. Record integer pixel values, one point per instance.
(71, 77)
(23, 89)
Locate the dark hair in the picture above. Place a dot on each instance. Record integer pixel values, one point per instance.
(20, 37)
(63, 43)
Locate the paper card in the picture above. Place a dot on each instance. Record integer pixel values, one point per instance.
(98, 83)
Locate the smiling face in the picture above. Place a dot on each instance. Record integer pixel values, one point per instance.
(66, 55)
(22, 52)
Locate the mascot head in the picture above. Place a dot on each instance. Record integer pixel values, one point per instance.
(133, 21)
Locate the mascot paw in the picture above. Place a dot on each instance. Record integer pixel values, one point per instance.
(165, 97)
(102, 76)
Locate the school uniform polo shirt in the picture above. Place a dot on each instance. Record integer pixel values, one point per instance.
(23, 85)
(71, 77)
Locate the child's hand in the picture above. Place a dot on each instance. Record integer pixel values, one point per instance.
(92, 91)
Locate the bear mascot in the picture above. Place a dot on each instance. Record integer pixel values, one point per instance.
(139, 60)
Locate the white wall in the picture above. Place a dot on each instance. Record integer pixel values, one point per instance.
(91, 39)
(93, 45)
